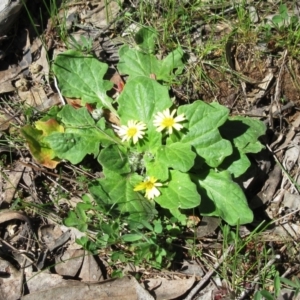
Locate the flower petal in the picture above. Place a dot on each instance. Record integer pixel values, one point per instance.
(139, 187)
(134, 130)
(165, 120)
(173, 113)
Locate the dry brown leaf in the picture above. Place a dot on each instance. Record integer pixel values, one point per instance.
(126, 288)
(8, 215)
(49, 235)
(291, 155)
(28, 177)
(24, 41)
(7, 76)
(11, 280)
(75, 102)
(168, 289)
(6, 87)
(37, 281)
(75, 234)
(290, 201)
(258, 93)
(90, 270)
(287, 231)
(117, 80)
(4, 121)
(70, 262)
(43, 62)
(207, 226)
(34, 97)
(111, 117)
(191, 268)
(11, 181)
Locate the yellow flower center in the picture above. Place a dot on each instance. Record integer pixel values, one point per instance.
(149, 185)
(168, 122)
(131, 131)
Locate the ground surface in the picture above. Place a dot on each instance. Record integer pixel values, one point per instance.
(232, 57)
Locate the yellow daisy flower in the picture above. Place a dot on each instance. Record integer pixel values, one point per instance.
(166, 119)
(134, 130)
(150, 185)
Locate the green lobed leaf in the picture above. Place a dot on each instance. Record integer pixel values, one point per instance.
(141, 99)
(158, 228)
(155, 168)
(120, 190)
(151, 140)
(237, 163)
(135, 63)
(80, 117)
(81, 136)
(74, 146)
(179, 193)
(49, 126)
(102, 198)
(78, 218)
(171, 62)
(146, 39)
(221, 196)
(244, 132)
(178, 156)
(39, 148)
(114, 158)
(81, 76)
(202, 131)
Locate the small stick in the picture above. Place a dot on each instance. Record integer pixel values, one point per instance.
(47, 172)
(208, 274)
(276, 97)
(62, 100)
(278, 83)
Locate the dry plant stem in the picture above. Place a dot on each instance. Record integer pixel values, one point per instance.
(208, 275)
(287, 272)
(63, 102)
(17, 250)
(256, 279)
(57, 184)
(281, 166)
(80, 171)
(47, 172)
(278, 83)
(80, 3)
(277, 90)
(23, 269)
(11, 118)
(285, 216)
(283, 108)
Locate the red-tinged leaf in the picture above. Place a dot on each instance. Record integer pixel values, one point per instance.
(39, 149)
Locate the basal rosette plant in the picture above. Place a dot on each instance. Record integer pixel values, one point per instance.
(160, 157)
